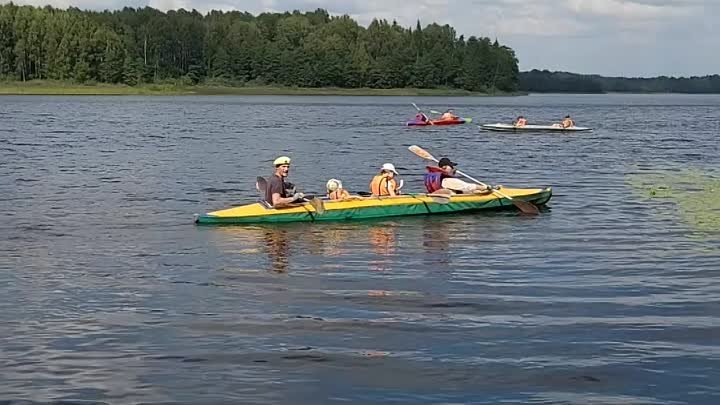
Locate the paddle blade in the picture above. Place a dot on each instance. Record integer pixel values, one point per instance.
(421, 152)
(318, 205)
(526, 207)
(261, 184)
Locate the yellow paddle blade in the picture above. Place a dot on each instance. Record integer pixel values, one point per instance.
(318, 205)
(421, 152)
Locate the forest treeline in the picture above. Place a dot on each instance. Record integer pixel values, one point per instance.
(310, 49)
(543, 81)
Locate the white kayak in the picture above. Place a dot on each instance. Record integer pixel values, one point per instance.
(532, 128)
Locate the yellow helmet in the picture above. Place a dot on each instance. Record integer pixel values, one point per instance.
(282, 160)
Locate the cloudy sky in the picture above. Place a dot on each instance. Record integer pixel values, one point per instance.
(609, 37)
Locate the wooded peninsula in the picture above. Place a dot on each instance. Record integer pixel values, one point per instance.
(136, 47)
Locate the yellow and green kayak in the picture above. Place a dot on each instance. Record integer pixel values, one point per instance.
(374, 207)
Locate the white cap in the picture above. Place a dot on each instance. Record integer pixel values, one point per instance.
(333, 184)
(390, 167)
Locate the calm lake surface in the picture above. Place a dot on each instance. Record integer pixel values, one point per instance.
(110, 294)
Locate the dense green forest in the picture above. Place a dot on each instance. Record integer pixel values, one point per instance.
(560, 82)
(311, 49)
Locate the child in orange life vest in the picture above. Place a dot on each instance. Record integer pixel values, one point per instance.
(335, 190)
(384, 184)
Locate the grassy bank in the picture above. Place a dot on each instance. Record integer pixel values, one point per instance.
(44, 87)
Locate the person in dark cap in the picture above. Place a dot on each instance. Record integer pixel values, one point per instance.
(443, 177)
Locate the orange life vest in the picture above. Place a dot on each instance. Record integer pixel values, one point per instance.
(380, 185)
(338, 194)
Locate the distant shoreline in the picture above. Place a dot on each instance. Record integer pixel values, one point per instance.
(48, 88)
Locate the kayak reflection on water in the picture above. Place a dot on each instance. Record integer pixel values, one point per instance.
(383, 240)
(436, 242)
(277, 245)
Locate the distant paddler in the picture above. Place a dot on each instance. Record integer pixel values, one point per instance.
(449, 115)
(567, 122)
(520, 121)
(421, 117)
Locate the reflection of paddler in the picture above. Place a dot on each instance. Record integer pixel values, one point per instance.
(382, 240)
(278, 249)
(332, 240)
(436, 241)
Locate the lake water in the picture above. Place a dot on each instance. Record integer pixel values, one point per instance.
(110, 294)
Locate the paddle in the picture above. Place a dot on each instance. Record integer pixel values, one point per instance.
(524, 206)
(420, 111)
(261, 185)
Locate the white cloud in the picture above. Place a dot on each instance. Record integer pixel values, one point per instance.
(628, 9)
(165, 5)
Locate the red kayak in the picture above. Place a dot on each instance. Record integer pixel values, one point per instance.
(439, 122)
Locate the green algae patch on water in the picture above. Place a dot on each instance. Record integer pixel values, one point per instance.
(695, 193)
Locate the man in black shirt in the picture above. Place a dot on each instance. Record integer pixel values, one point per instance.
(276, 192)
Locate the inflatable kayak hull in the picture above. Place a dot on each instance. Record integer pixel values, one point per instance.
(438, 122)
(373, 207)
(531, 128)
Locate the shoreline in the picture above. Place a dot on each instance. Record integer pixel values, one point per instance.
(50, 88)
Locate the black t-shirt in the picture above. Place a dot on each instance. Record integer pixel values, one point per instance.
(275, 184)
